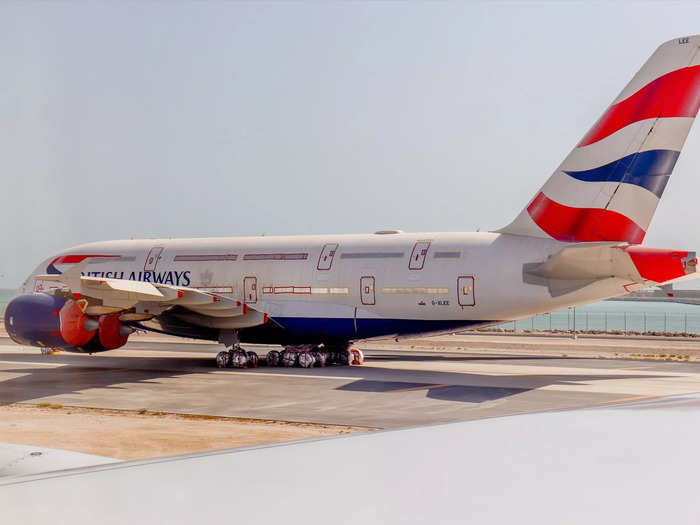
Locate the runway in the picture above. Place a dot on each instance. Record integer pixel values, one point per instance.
(397, 387)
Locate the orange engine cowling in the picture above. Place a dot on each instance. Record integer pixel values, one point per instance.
(112, 333)
(76, 326)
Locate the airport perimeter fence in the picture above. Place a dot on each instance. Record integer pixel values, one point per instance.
(669, 322)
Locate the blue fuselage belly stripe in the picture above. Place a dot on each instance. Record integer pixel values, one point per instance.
(344, 328)
(649, 169)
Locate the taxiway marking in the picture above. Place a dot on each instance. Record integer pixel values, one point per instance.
(627, 399)
(31, 363)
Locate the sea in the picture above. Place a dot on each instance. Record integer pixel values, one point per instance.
(5, 296)
(603, 316)
(619, 316)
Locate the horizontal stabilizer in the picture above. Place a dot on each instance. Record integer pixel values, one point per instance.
(579, 265)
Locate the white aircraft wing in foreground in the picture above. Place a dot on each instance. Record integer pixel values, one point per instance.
(633, 463)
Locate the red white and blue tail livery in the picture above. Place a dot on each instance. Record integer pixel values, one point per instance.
(577, 241)
(608, 188)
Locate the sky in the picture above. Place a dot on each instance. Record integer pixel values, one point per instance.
(167, 119)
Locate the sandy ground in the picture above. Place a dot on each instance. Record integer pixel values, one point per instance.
(135, 435)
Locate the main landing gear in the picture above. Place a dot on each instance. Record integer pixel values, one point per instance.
(237, 358)
(304, 356)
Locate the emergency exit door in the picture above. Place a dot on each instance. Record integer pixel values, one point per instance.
(250, 290)
(325, 259)
(367, 290)
(465, 290)
(152, 259)
(420, 250)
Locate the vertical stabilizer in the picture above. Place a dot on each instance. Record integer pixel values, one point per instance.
(609, 186)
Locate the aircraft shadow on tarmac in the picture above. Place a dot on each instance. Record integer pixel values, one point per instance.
(75, 373)
(451, 390)
(80, 373)
(444, 392)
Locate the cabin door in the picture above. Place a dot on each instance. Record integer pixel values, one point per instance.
(250, 290)
(367, 290)
(465, 290)
(152, 259)
(420, 250)
(325, 259)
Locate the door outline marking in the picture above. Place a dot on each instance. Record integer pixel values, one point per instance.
(152, 259)
(461, 295)
(416, 258)
(325, 258)
(370, 293)
(254, 288)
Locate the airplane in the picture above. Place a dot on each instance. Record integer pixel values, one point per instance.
(578, 240)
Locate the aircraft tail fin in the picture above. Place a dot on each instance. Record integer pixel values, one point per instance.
(608, 187)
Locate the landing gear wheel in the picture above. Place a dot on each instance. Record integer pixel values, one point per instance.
(273, 358)
(222, 359)
(343, 358)
(239, 359)
(252, 359)
(289, 358)
(357, 357)
(320, 357)
(306, 360)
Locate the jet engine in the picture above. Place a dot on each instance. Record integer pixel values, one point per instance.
(54, 321)
(111, 332)
(75, 326)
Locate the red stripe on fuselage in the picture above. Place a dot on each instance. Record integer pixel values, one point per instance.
(675, 94)
(565, 223)
(73, 259)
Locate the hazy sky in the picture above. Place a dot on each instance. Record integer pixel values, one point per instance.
(207, 119)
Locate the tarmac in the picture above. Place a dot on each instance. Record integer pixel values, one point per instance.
(401, 384)
(603, 419)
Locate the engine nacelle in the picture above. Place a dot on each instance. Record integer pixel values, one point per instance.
(33, 320)
(53, 321)
(75, 326)
(111, 332)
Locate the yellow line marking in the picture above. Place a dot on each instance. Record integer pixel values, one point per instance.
(627, 399)
(426, 387)
(30, 363)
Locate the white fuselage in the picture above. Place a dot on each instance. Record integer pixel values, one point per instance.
(426, 278)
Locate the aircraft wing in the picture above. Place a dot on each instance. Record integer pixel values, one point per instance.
(140, 301)
(25, 460)
(576, 466)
